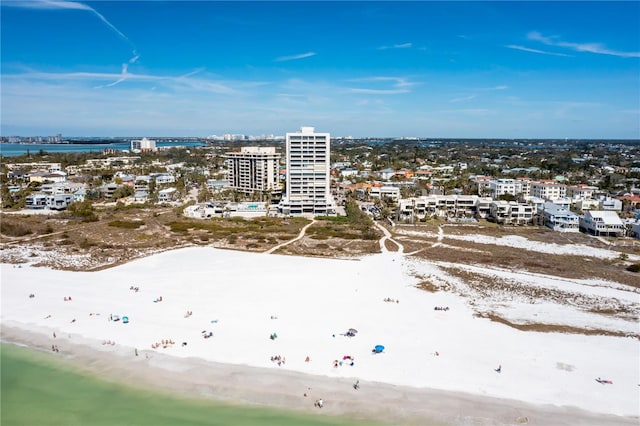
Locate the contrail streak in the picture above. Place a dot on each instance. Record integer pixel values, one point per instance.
(70, 5)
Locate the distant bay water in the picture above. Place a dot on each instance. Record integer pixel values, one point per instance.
(15, 149)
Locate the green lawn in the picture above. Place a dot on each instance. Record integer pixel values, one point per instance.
(38, 389)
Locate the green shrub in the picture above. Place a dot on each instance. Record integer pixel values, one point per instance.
(14, 229)
(85, 244)
(126, 224)
(182, 227)
(83, 210)
(634, 268)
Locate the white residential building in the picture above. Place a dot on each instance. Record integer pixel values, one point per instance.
(419, 208)
(65, 187)
(600, 222)
(548, 189)
(510, 212)
(609, 203)
(253, 169)
(581, 192)
(525, 186)
(164, 178)
(346, 173)
(50, 167)
(39, 200)
(217, 184)
(590, 204)
(389, 192)
(387, 173)
(498, 187)
(143, 144)
(560, 218)
(47, 177)
(308, 181)
(167, 195)
(142, 183)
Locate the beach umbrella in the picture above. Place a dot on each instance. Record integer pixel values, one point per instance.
(353, 330)
(378, 348)
(125, 320)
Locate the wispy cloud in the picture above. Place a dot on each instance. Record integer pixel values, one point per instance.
(122, 78)
(462, 99)
(528, 49)
(471, 111)
(597, 48)
(396, 46)
(397, 81)
(570, 109)
(378, 91)
(194, 72)
(398, 85)
(294, 57)
(182, 83)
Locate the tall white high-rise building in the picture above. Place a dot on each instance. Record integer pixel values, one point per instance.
(253, 169)
(308, 182)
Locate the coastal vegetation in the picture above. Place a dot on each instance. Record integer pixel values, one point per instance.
(355, 225)
(126, 224)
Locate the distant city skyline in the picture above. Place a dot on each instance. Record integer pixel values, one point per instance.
(361, 69)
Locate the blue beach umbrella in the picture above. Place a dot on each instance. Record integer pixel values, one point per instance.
(378, 349)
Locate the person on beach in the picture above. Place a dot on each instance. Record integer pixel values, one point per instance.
(499, 369)
(356, 385)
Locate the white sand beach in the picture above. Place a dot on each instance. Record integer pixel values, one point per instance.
(436, 364)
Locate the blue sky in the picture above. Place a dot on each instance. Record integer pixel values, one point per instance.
(429, 69)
